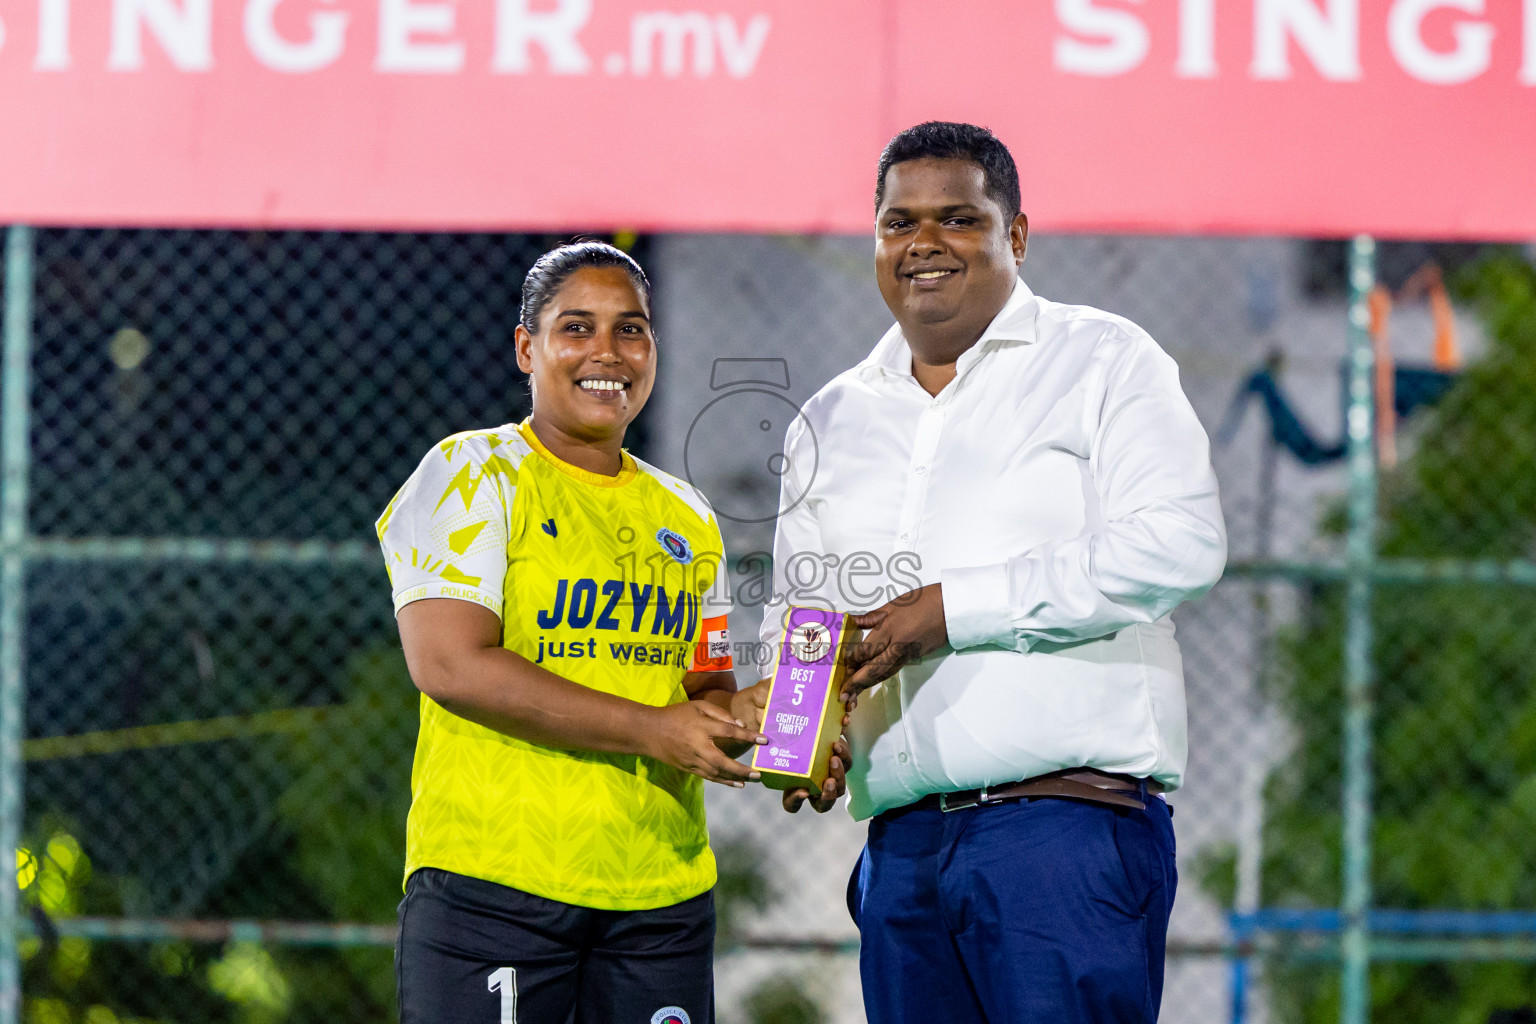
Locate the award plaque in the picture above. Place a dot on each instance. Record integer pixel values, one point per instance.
(804, 714)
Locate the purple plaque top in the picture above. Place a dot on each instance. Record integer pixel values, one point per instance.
(798, 701)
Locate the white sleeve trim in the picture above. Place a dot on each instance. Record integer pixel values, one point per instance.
(442, 588)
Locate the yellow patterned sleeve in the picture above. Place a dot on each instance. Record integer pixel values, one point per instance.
(445, 533)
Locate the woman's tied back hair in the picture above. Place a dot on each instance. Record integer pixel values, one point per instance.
(551, 270)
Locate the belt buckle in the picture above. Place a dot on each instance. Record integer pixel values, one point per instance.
(945, 808)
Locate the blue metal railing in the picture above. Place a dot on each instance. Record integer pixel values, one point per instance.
(1394, 935)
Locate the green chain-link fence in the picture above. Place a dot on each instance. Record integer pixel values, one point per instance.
(202, 682)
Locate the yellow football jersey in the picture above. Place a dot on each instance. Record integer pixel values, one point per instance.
(616, 583)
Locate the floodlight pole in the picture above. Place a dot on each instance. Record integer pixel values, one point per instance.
(14, 457)
(1360, 558)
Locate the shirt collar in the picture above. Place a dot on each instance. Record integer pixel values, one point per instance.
(1014, 323)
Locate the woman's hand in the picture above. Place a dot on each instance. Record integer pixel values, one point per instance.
(747, 705)
(685, 737)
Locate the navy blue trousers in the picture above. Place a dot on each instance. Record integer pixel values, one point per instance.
(1043, 911)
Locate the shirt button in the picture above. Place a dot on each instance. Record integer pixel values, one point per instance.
(902, 757)
(921, 470)
(904, 538)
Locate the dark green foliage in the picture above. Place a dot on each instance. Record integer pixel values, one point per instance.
(64, 975)
(348, 805)
(782, 1000)
(332, 847)
(741, 888)
(1455, 726)
(346, 813)
(1470, 489)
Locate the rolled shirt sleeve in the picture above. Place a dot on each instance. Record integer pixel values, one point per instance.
(1160, 538)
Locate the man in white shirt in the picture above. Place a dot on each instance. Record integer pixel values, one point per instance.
(1015, 493)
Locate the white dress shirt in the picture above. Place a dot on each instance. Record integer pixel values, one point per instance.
(1060, 488)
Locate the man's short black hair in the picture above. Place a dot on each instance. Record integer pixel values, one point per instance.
(948, 140)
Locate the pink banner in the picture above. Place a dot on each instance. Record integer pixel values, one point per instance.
(1398, 117)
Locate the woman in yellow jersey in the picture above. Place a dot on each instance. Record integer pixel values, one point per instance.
(563, 611)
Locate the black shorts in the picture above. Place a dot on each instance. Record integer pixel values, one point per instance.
(474, 952)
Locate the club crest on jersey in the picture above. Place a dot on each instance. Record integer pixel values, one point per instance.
(670, 1015)
(675, 544)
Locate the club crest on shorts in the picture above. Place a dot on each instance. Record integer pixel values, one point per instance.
(676, 545)
(810, 641)
(670, 1015)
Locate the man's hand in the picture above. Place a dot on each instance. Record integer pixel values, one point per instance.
(835, 786)
(895, 633)
(685, 736)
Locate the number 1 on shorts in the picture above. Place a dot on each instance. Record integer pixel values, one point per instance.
(505, 979)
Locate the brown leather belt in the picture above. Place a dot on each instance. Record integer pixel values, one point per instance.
(1088, 784)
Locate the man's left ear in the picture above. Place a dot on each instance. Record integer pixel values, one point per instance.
(1018, 235)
